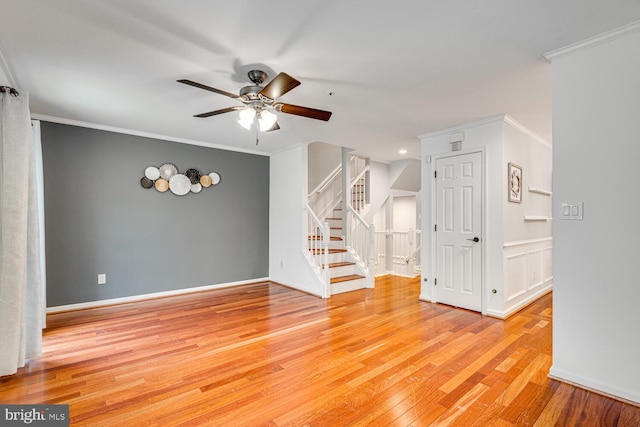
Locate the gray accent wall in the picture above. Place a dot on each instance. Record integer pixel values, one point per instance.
(99, 219)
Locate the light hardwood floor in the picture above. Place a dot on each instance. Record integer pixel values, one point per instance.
(268, 355)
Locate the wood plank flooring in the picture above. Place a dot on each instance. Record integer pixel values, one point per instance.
(267, 355)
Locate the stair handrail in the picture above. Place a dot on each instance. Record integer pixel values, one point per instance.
(328, 195)
(326, 182)
(413, 255)
(317, 247)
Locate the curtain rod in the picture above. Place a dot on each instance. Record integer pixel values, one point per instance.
(9, 90)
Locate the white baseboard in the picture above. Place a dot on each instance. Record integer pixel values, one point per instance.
(629, 396)
(500, 314)
(297, 287)
(134, 298)
(424, 298)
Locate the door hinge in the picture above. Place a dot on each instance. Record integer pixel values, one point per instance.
(435, 174)
(435, 227)
(435, 282)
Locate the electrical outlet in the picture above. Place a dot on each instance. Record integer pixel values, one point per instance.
(102, 279)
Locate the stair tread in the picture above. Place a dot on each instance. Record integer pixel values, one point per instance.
(331, 251)
(340, 279)
(335, 239)
(340, 264)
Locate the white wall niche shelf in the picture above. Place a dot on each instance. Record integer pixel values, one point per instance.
(540, 191)
(536, 218)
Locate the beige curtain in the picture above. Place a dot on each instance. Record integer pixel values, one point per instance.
(21, 302)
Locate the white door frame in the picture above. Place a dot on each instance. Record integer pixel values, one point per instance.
(432, 221)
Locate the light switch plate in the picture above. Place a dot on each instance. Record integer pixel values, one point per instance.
(572, 210)
(102, 279)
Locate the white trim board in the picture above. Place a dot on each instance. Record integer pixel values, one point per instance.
(505, 118)
(526, 242)
(504, 314)
(89, 125)
(517, 126)
(629, 396)
(593, 42)
(154, 295)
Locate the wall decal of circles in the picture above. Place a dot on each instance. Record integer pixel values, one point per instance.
(146, 182)
(168, 170)
(162, 185)
(193, 175)
(152, 173)
(205, 181)
(179, 185)
(215, 178)
(167, 177)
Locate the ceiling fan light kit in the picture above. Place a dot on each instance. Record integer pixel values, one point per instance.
(260, 102)
(247, 117)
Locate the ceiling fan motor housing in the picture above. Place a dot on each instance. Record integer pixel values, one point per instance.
(250, 93)
(257, 76)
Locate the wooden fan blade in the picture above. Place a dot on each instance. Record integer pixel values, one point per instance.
(216, 112)
(280, 85)
(311, 113)
(275, 126)
(209, 88)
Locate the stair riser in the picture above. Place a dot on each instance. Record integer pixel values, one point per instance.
(349, 285)
(333, 244)
(335, 232)
(343, 271)
(337, 257)
(334, 223)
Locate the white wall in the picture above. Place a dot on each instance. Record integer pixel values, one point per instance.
(4, 80)
(287, 188)
(323, 159)
(404, 213)
(485, 136)
(534, 156)
(528, 245)
(596, 107)
(380, 191)
(517, 253)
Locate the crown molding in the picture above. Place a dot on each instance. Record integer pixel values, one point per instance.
(516, 125)
(89, 125)
(464, 126)
(593, 41)
(505, 118)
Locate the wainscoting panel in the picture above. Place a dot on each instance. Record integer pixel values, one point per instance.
(528, 272)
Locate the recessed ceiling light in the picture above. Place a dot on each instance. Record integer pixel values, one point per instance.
(403, 151)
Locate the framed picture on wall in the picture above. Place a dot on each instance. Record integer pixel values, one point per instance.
(514, 183)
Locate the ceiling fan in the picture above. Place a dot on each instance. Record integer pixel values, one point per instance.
(260, 102)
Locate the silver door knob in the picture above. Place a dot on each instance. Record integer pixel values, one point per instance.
(475, 239)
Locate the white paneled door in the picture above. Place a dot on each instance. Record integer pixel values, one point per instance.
(459, 231)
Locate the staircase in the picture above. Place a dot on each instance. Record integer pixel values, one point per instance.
(344, 274)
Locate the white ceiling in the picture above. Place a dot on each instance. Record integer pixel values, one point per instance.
(396, 69)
